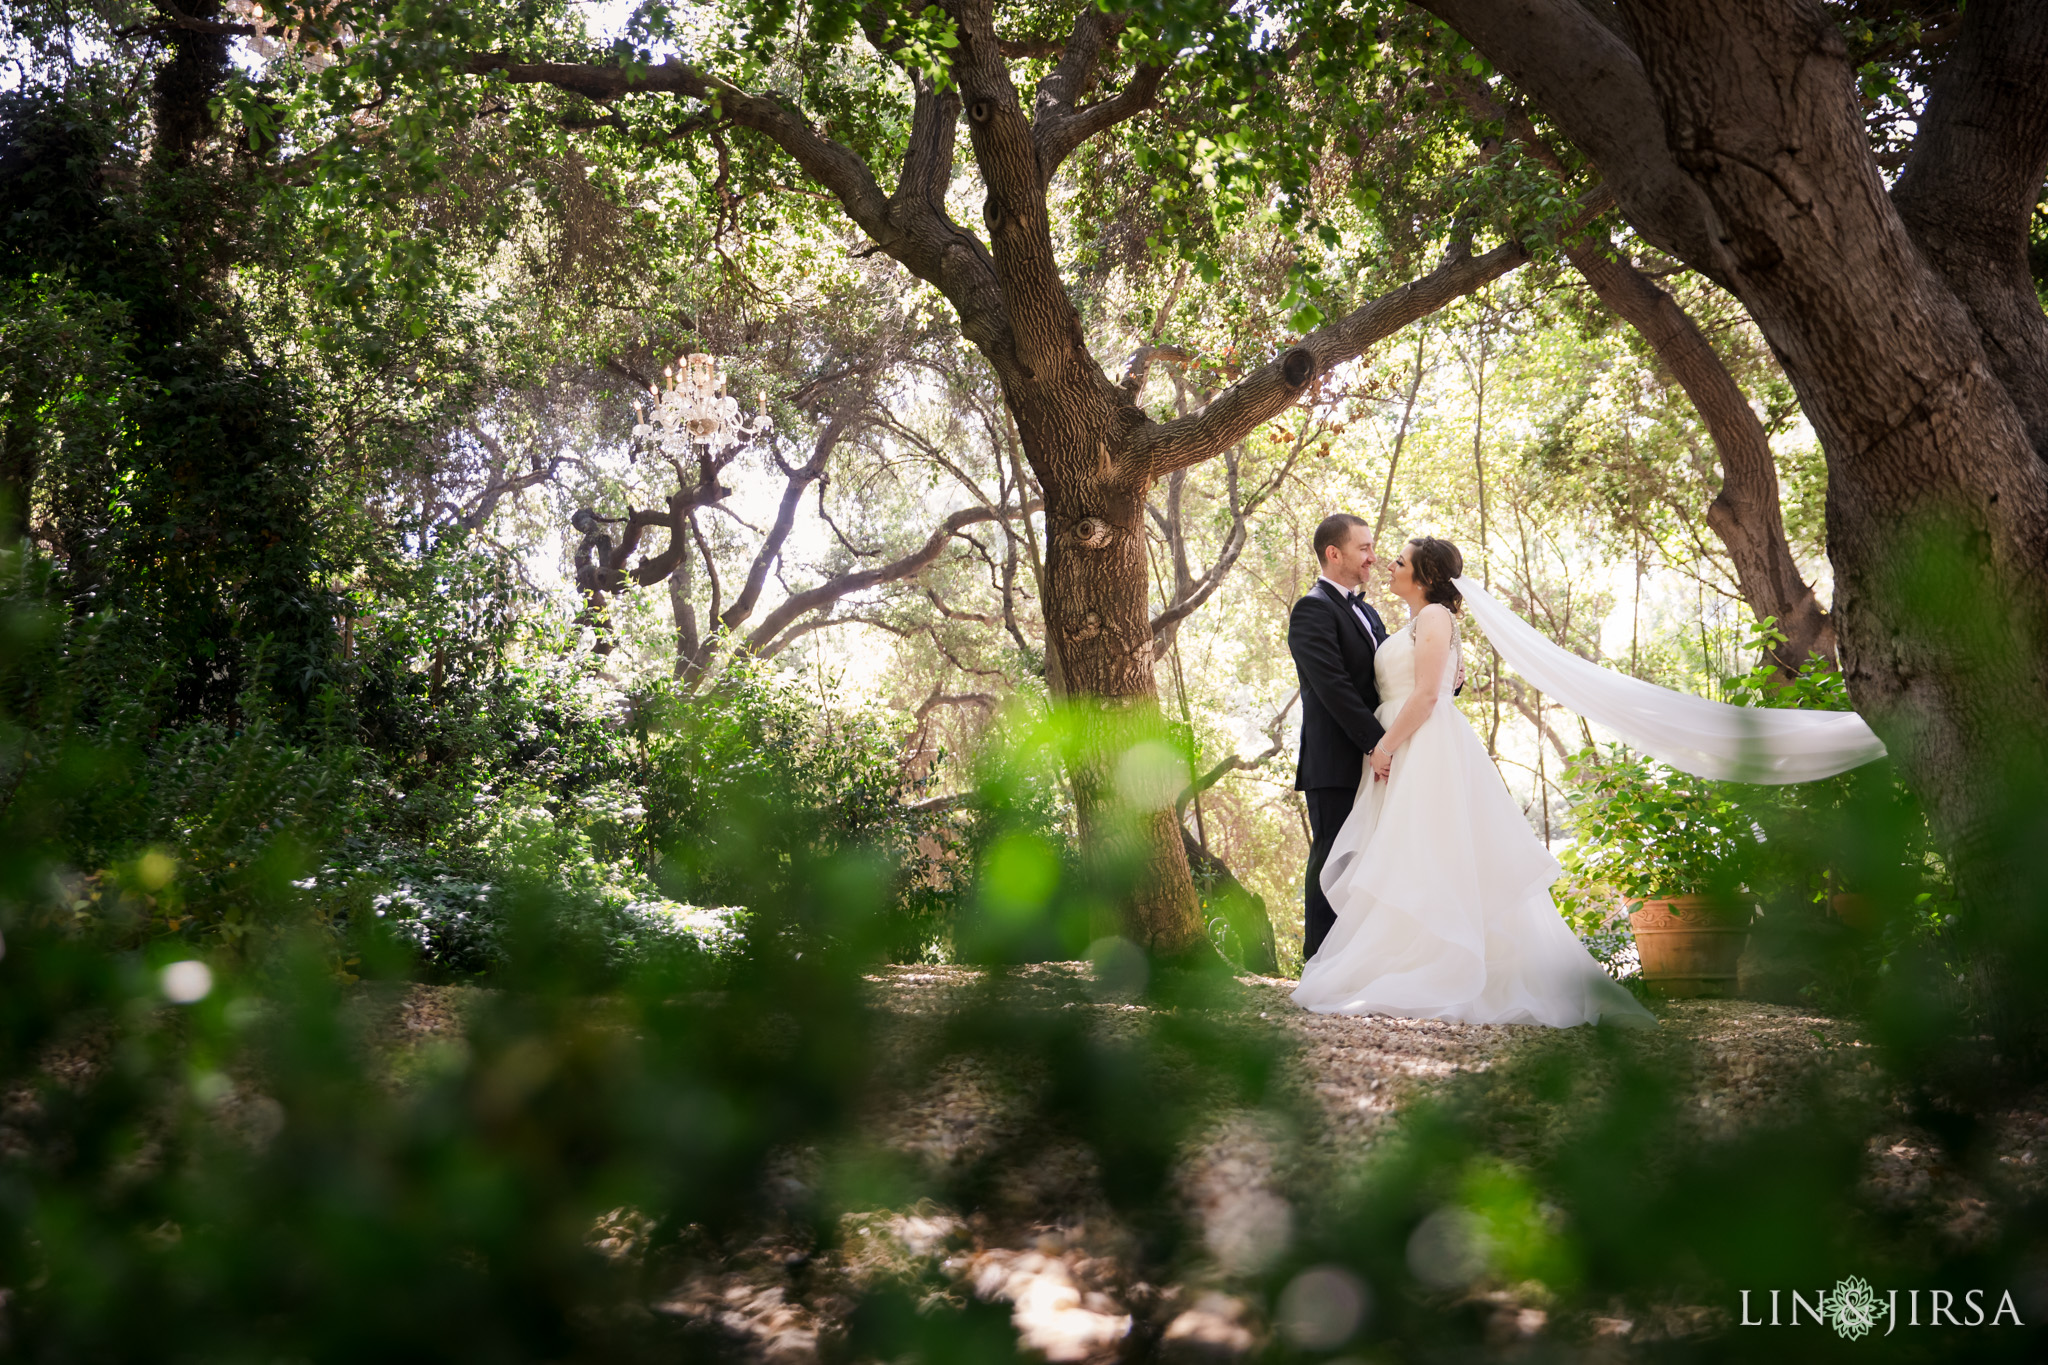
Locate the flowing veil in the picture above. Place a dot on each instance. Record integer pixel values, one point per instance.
(1706, 738)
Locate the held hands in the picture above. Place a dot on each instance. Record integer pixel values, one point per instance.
(1382, 759)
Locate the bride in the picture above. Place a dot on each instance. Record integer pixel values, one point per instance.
(1441, 891)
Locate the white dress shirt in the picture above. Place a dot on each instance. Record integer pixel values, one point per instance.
(1357, 607)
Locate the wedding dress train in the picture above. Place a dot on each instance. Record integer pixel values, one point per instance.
(1442, 893)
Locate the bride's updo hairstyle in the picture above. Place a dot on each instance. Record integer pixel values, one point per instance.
(1435, 563)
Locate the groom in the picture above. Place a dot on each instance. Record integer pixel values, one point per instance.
(1332, 634)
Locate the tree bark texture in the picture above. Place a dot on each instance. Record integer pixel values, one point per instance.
(1732, 137)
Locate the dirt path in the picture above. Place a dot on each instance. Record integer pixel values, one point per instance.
(1050, 1246)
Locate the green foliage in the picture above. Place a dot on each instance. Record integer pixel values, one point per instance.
(419, 818)
(243, 681)
(518, 1191)
(170, 465)
(1039, 896)
(1816, 686)
(601, 1129)
(1030, 897)
(263, 708)
(306, 1206)
(1648, 830)
(750, 784)
(413, 819)
(155, 827)
(300, 1161)
(1644, 829)
(1845, 871)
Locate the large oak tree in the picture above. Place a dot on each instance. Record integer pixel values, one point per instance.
(1733, 134)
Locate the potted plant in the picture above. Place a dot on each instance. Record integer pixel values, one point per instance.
(1675, 847)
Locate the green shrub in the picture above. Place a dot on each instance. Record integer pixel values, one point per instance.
(752, 781)
(1649, 831)
(1644, 830)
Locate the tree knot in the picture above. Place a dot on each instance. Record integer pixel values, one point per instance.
(1297, 367)
(1093, 533)
(1086, 628)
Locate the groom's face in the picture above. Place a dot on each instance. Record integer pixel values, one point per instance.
(1352, 562)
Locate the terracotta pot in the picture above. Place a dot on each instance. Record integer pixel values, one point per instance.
(1854, 909)
(1689, 945)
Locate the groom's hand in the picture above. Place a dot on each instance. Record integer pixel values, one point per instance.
(1382, 764)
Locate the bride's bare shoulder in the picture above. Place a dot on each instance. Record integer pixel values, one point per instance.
(1435, 618)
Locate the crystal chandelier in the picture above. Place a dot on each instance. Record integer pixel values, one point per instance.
(696, 410)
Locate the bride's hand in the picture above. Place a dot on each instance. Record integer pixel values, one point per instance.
(1382, 762)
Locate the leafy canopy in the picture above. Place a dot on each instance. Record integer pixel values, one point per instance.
(1321, 117)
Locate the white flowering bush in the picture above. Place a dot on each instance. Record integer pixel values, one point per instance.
(713, 930)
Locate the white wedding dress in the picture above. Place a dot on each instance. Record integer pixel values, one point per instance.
(1442, 892)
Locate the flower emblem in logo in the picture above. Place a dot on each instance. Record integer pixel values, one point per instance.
(1852, 1309)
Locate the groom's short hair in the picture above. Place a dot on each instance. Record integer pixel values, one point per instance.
(1334, 530)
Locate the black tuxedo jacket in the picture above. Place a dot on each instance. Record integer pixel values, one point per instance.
(1333, 658)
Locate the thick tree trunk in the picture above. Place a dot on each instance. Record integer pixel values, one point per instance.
(1937, 504)
(1732, 136)
(1746, 515)
(1098, 629)
(1075, 426)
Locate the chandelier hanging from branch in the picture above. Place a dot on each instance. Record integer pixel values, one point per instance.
(696, 410)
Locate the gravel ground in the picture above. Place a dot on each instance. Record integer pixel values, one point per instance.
(1048, 1244)
(1044, 1239)
(1744, 1060)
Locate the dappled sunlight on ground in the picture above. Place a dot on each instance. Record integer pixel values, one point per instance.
(1046, 1242)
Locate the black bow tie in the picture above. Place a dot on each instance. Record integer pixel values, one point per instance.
(1356, 599)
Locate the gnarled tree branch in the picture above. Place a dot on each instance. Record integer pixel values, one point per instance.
(1058, 125)
(1584, 73)
(846, 584)
(1042, 337)
(1274, 731)
(843, 417)
(1238, 410)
